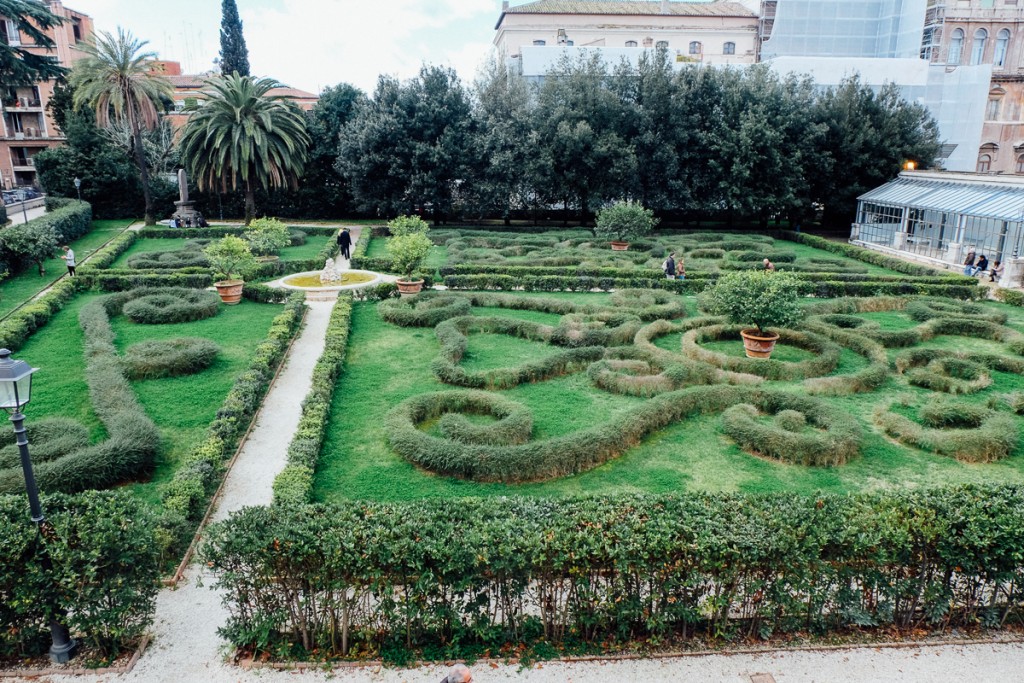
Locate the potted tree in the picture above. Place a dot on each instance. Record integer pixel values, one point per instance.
(407, 253)
(266, 237)
(624, 221)
(407, 225)
(756, 297)
(230, 258)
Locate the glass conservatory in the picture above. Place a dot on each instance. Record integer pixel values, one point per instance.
(939, 216)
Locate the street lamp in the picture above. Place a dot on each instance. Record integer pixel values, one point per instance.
(15, 393)
(78, 188)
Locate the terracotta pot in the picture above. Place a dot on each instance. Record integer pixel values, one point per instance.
(407, 287)
(620, 246)
(758, 344)
(230, 291)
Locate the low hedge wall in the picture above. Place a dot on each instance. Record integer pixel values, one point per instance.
(295, 482)
(858, 253)
(185, 496)
(17, 327)
(64, 224)
(218, 232)
(103, 578)
(424, 578)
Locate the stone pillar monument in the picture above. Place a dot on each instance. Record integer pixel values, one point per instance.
(185, 210)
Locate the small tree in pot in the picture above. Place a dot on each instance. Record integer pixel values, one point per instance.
(407, 253)
(230, 258)
(407, 225)
(756, 297)
(623, 222)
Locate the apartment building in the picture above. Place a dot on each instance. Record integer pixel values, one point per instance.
(534, 35)
(961, 33)
(27, 127)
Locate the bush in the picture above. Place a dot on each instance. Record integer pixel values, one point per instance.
(1010, 296)
(295, 482)
(38, 239)
(426, 309)
(267, 236)
(157, 260)
(103, 577)
(407, 225)
(172, 305)
(230, 257)
(757, 297)
(993, 439)
(719, 567)
(826, 352)
(624, 221)
(169, 358)
(19, 325)
(51, 438)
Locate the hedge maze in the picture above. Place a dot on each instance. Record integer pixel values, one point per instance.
(778, 409)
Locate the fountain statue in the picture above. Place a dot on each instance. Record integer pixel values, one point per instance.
(329, 275)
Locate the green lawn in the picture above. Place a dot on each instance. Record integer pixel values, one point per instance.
(182, 407)
(22, 287)
(308, 250)
(386, 364)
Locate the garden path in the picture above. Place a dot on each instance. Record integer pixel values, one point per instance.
(187, 649)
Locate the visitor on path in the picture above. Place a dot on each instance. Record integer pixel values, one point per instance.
(460, 673)
(982, 266)
(768, 265)
(681, 270)
(345, 241)
(669, 266)
(69, 258)
(997, 271)
(969, 263)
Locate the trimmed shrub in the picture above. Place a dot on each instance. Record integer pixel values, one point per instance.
(650, 304)
(1012, 297)
(927, 309)
(826, 360)
(425, 309)
(51, 438)
(177, 305)
(993, 439)
(173, 260)
(169, 358)
(949, 414)
(18, 326)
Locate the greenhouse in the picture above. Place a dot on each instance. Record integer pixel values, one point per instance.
(940, 217)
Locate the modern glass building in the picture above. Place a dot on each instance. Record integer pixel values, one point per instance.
(940, 217)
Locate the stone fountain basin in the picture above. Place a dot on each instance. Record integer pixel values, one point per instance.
(374, 279)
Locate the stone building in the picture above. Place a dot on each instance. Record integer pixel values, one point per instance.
(976, 32)
(27, 127)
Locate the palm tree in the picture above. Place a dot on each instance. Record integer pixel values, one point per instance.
(116, 80)
(240, 135)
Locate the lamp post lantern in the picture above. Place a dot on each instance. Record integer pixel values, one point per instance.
(78, 188)
(15, 393)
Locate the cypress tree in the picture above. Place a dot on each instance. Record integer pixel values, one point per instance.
(234, 56)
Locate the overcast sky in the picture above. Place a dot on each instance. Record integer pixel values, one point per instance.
(311, 44)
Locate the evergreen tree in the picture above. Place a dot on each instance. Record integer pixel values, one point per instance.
(234, 55)
(20, 65)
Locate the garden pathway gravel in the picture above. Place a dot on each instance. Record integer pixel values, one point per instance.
(187, 649)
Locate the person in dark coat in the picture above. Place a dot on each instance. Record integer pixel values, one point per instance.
(345, 241)
(670, 266)
(981, 266)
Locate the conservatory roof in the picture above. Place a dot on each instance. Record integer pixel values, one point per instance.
(970, 196)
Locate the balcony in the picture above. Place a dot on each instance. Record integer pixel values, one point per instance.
(26, 165)
(25, 104)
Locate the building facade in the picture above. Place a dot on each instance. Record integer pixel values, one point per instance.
(534, 35)
(27, 127)
(963, 33)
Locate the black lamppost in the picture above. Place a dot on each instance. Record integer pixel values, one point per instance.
(78, 188)
(15, 393)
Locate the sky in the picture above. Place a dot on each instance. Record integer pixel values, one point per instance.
(312, 44)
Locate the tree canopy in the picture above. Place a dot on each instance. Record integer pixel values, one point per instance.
(234, 55)
(19, 65)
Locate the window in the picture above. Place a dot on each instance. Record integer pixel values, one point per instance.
(729, 49)
(76, 28)
(10, 29)
(956, 47)
(978, 47)
(662, 44)
(540, 42)
(992, 111)
(630, 43)
(1002, 43)
(1019, 168)
(695, 47)
(985, 157)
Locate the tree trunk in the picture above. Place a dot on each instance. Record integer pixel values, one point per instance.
(140, 162)
(250, 202)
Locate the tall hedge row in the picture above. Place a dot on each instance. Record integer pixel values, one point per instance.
(473, 573)
(103, 578)
(63, 224)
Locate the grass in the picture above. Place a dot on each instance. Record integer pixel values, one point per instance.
(182, 407)
(308, 250)
(387, 364)
(17, 290)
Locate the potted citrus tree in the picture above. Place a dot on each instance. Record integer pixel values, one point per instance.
(407, 253)
(623, 222)
(760, 298)
(230, 258)
(266, 237)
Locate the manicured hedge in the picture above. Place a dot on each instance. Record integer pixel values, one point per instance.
(424, 578)
(186, 494)
(103, 577)
(17, 327)
(295, 482)
(151, 232)
(858, 253)
(63, 225)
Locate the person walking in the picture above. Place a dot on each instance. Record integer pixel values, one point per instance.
(69, 259)
(669, 266)
(345, 242)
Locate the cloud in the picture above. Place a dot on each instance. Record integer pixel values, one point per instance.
(355, 41)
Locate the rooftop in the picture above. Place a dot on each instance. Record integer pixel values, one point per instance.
(989, 196)
(634, 7)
